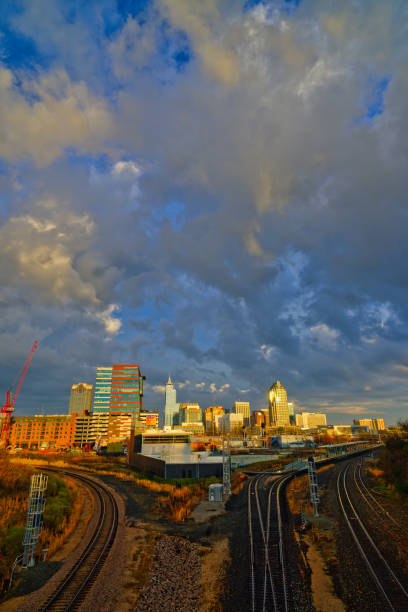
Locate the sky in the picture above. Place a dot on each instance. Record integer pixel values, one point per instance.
(213, 189)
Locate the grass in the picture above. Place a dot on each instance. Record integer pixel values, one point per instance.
(60, 515)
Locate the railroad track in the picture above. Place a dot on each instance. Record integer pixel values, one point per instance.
(390, 588)
(267, 567)
(395, 528)
(72, 590)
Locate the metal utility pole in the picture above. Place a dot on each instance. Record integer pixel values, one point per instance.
(314, 494)
(34, 520)
(226, 467)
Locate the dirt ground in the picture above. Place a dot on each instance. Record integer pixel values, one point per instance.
(218, 532)
(206, 510)
(324, 597)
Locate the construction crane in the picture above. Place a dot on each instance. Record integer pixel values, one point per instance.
(8, 407)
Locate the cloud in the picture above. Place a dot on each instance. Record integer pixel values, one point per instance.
(222, 389)
(38, 252)
(198, 19)
(266, 351)
(63, 114)
(181, 385)
(126, 167)
(112, 324)
(219, 176)
(159, 388)
(324, 336)
(200, 385)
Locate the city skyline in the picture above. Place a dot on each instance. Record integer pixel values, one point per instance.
(215, 188)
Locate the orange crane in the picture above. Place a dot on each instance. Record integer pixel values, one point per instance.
(8, 408)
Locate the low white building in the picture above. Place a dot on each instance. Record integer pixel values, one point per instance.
(168, 454)
(308, 420)
(292, 440)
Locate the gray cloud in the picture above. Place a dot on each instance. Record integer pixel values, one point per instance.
(283, 256)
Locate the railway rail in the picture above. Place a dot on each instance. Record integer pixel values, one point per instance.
(396, 529)
(389, 586)
(72, 590)
(267, 567)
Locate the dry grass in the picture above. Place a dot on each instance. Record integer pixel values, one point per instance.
(180, 502)
(214, 567)
(376, 472)
(297, 494)
(14, 489)
(176, 505)
(325, 468)
(238, 482)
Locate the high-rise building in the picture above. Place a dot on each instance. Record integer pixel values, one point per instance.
(190, 413)
(119, 389)
(291, 409)
(211, 415)
(102, 394)
(80, 400)
(171, 408)
(244, 409)
(278, 405)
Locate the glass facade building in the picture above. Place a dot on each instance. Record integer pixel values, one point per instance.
(102, 394)
(119, 389)
(278, 406)
(190, 413)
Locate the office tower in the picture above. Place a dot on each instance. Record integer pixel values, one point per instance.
(244, 409)
(103, 384)
(171, 409)
(80, 400)
(190, 413)
(119, 389)
(211, 415)
(291, 413)
(278, 406)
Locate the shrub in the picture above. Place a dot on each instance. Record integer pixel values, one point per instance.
(12, 543)
(58, 505)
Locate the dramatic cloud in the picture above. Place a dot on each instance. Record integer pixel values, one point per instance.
(214, 190)
(60, 114)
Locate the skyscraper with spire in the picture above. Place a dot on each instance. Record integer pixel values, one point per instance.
(171, 408)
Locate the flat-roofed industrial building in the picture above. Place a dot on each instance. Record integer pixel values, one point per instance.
(168, 454)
